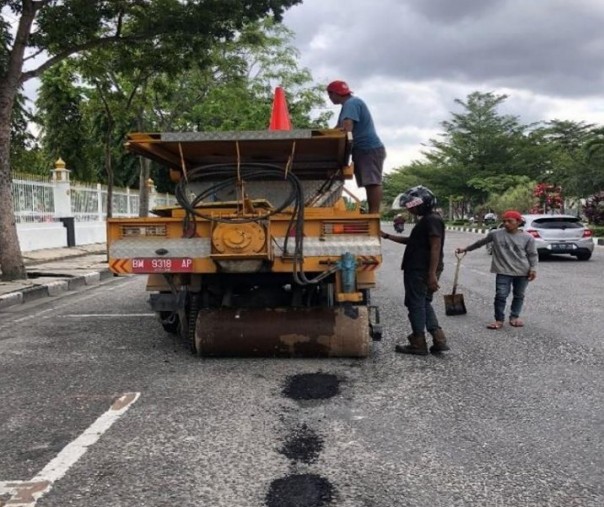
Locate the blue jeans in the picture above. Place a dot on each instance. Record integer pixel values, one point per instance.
(503, 285)
(418, 300)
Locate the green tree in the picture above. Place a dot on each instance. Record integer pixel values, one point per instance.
(480, 143)
(233, 88)
(400, 180)
(64, 130)
(480, 154)
(519, 197)
(568, 160)
(25, 151)
(594, 175)
(63, 29)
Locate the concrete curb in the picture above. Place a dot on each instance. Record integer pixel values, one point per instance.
(459, 228)
(53, 288)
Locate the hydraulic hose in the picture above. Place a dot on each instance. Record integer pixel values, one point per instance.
(228, 176)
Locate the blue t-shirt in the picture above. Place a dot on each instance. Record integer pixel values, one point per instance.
(364, 135)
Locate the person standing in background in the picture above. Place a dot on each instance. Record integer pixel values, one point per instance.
(368, 152)
(514, 262)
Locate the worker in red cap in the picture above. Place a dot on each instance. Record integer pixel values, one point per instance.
(514, 262)
(368, 152)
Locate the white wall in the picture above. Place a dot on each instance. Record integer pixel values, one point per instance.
(87, 233)
(38, 236)
(41, 235)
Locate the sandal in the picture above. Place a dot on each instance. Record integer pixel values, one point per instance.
(516, 323)
(495, 325)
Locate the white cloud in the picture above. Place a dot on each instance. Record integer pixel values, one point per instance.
(410, 59)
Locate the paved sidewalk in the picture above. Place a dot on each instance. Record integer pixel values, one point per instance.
(55, 271)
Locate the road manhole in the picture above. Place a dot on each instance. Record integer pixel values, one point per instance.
(312, 386)
(304, 490)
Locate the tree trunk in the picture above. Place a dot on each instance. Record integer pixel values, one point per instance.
(11, 260)
(144, 172)
(109, 170)
(143, 192)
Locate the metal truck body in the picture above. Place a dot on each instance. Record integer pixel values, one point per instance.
(262, 255)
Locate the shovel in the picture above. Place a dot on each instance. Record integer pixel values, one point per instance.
(454, 303)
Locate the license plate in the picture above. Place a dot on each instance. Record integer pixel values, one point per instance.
(162, 265)
(562, 246)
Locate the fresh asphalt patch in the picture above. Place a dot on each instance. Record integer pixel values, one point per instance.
(303, 445)
(312, 386)
(304, 490)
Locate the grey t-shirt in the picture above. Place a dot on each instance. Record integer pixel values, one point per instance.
(513, 254)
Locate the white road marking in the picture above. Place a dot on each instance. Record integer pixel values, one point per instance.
(35, 315)
(27, 493)
(51, 312)
(78, 316)
(106, 315)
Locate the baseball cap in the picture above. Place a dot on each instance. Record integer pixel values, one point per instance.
(339, 88)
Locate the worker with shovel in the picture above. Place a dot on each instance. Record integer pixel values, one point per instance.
(422, 265)
(514, 262)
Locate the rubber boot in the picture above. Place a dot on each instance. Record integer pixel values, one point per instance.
(417, 345)
(440, 341)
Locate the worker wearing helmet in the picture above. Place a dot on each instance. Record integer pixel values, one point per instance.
(368, 152)
(422, 266)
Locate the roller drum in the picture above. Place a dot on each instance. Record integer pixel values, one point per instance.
(283, 332)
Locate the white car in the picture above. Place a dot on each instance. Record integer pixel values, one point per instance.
(560, 234)
(557, 234)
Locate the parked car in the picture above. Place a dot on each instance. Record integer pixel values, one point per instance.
(560, 234)
(556, 234)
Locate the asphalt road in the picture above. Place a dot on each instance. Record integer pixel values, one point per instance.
(512, 417)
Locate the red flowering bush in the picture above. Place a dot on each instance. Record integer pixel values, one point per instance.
(549, 197)
(593, 209)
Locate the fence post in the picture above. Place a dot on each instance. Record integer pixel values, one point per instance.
(61, 189)
(152, 194)
(99, 193)
(62, 197)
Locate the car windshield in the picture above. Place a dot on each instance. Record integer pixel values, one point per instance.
(557, 223)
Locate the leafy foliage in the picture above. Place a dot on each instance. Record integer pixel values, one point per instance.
(64, 132)
(549, 198)
(594, 209)
(139, 35)
(519, 197)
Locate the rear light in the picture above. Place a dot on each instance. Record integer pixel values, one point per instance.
(533, 233)
(345, 227)
(587, 233)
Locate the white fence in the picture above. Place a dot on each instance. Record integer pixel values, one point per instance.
(34, 200)
(46, 209)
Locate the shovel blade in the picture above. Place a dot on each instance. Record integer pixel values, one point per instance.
(455, 305)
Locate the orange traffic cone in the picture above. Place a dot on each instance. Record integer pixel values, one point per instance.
(280, 116)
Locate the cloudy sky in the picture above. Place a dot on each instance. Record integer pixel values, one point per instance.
(410, 59)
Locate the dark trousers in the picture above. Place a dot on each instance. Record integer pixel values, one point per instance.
(418, 300)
